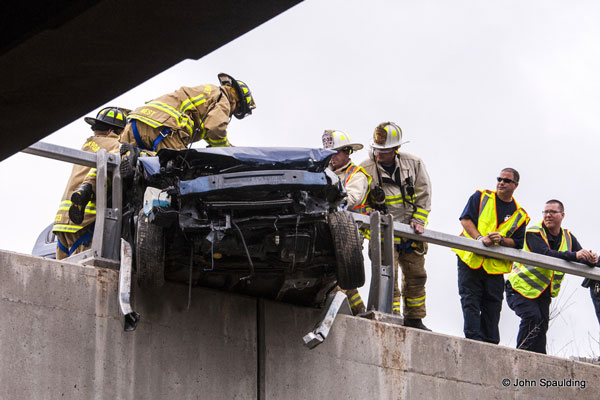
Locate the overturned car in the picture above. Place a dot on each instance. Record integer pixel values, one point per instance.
(266, 222)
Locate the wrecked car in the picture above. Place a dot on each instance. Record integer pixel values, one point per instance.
(265, 222)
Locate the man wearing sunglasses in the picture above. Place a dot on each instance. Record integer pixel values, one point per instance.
(495, 218)
(529, 289)
(403, 183)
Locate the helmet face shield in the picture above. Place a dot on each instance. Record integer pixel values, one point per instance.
(245, 100)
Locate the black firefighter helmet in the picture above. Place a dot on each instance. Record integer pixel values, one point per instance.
(114, 117)
(245, 99)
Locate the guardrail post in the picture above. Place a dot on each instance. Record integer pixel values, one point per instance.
(107, 229)
(382, 271)
(101, 203)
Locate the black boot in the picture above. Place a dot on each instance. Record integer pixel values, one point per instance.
(416, 323)
(129, 155)
(80, 198)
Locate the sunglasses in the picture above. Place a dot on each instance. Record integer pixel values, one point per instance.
(505, 180)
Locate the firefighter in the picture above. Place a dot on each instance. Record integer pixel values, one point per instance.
(74, 221)
(530, 289)
(187, 115)
(495, 218)
(356, 181)
(401, 187)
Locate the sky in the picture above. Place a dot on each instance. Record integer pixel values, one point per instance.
(476, 87)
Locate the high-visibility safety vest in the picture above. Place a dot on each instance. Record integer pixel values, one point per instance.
(487, 223)
(531, 281)
(352, 170)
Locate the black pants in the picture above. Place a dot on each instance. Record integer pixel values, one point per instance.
(481, 297)
(535, 317)
(595, 294)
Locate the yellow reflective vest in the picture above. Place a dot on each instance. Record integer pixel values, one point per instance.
(487, 223)
(356, 186)
(531, 281)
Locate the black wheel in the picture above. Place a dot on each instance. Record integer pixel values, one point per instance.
(149, 253)
(350, 268)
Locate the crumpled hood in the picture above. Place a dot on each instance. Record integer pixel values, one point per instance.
(308, 159)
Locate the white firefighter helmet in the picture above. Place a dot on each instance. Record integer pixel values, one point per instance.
(387, 135)
(337, 140)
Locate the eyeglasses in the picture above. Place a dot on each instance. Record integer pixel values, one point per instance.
(505, 180)
(553, 212)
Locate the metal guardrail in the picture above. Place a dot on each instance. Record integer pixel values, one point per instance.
(105, 163)
(69, 155)
(107, 229)
(500, 252)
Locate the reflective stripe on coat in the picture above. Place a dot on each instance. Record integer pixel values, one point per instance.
(81, 174)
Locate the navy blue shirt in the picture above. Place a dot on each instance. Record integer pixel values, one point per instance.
(504, 210)
(537, 245)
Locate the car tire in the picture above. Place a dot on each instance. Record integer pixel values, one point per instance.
(347, 243)
(149, 253)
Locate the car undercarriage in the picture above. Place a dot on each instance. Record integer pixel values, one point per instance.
(263, 222)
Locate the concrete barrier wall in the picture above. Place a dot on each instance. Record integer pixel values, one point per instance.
(61, 337)
(362, 359)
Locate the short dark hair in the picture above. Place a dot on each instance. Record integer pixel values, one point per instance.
(560, 204)
(101, 126)
(516, 176)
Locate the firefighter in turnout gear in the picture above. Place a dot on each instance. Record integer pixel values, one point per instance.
(355, 179)
(401, 187)
(187, 115)
(530, 289)
(356, 182)
(74, 221)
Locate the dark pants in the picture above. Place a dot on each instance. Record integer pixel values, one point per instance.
(595, 294)
(535, 316)
(481, 297)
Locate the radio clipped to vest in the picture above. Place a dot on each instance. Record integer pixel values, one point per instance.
(407, 189)
(376, 199)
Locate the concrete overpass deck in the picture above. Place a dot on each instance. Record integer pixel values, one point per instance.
(61, 337)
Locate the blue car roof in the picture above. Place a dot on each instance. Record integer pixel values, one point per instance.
(259, 157)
